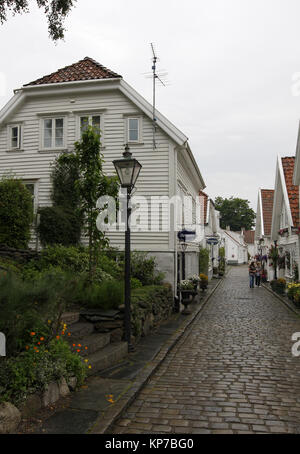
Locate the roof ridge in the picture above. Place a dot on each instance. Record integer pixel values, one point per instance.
(103, 73)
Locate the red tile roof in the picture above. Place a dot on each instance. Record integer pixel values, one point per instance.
(267, 197)
(203, 199)
(288, 164)
(86, 69)
(249, 236)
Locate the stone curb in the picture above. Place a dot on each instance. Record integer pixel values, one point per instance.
(291, 308)
(109, 416)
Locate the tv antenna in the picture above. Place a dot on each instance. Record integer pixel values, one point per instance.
(155, 77)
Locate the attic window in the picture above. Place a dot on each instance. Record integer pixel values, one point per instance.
(133, 130)
(14, 134)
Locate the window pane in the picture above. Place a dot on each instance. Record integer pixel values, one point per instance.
(59, 132)
(96, 123)
(15, 137)
(133, 129)
(84, 122)
(48, 133)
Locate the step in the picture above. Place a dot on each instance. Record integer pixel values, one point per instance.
(93, 342)
(70, 318)
(107, 357)
(80, 330)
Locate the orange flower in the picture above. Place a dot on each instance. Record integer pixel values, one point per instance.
(74, 345)
(39, 343)
(32, 333)
(86, 348)
(57, 337)
(78, 351)
(27, 348)
(69, 334)
(79, 345)
(42, 338)
(63, 333)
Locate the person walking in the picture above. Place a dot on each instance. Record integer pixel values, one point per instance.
(258, 274)
(252, 271)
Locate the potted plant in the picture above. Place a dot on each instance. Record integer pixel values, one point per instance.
(187, 291)
(195, 281)
(203, 281)
(278, 285)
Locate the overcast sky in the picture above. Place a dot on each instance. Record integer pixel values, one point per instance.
(230, 65)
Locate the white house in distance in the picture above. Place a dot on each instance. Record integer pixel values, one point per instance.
(211, 231)
(285, 219)
(263, 227)
(236, 251)
(45, 117)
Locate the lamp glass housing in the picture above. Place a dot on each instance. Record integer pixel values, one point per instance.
(128, 170)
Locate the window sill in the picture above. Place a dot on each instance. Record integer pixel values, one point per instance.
(135, 143)
(53, 150)
(19, 150)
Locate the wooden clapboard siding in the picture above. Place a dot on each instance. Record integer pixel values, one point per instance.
(34, 164)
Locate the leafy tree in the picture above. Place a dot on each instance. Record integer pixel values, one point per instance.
(91, 185)
(236, 213)
(62, 222)
(55, 11)
(16, 213)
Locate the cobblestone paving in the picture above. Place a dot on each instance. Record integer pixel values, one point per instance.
(232, 372)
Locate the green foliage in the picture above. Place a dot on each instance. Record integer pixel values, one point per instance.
(203, 260)
(155, 300)
(278, 285)
(33, 370)
(16, 213)
(55, 12)
(144, 269)
(108, 294)
(236, 213)
(58, 225)
(91, 185)
(62, 223)
(222, 262)
(26, 306)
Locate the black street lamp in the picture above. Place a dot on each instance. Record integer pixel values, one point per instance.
(128, 170)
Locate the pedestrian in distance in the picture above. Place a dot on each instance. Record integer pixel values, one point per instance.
(252, 271)
(258, 274)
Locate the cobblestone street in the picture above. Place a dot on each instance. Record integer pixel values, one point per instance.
(231, 372)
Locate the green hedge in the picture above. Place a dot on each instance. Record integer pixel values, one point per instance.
(16, 213)
(203, 260)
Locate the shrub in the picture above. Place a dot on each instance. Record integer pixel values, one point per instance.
(16, 213)
(26, 306)
(155, 301)
(144, 269)
(105, 295)
(59, 225)
(203, 260)
(34, 369)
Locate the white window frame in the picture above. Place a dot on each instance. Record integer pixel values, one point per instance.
(90, 115)
(20, 137)
(35, 192)
(42, 130)
(139, 120)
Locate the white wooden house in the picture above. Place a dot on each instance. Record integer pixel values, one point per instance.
(211, 231)
(285, 219)
(44, 118)
(236, 251)
(263, 227)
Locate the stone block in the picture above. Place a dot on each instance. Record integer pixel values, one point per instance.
(63, 387)
(32, 405)
(10, 418)
(51, 395)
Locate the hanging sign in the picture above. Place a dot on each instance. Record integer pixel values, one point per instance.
(186, 235)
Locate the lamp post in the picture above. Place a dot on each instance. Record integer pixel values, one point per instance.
(183, 249)
(128, 170)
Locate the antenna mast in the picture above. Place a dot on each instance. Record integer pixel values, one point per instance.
(154, 84)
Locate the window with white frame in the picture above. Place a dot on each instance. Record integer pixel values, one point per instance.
(90, 120)
(15, 137)
(53, 133)
(133, 130)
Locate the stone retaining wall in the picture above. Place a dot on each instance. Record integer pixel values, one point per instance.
(20, 255)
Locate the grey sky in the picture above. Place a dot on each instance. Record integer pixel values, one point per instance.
(230, 64)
